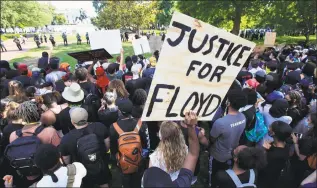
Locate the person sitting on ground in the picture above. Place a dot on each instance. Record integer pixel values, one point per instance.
(138, 100)
(23, 78)
(16, 93)
(82, 77)
(156, 177)
(108, 112)
(122, 93)
(73, 95)
(44, 88)
(277, 154)
(136, 67)
(55, 73)
(149, 72)
(43, 61)
(56, 114)
(128, 75)
(37, 78)
(112, 74)
(88, 138)
(255, 67)
(247, 160)
(295, 110)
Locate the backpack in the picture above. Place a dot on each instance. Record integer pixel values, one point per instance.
(92, 104)
(21, 152)
(130, 149)
(237, 181)
(88, 153)
(259, 130)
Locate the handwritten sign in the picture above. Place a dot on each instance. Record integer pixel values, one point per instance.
(90, 55)
(155, 43)
(269, 40)
(197, 66)
(110, 40)
(141, 46)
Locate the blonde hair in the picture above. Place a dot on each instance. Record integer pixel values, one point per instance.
(11, 112)
(172, 146)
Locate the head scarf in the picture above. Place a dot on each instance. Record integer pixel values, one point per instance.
(102, 79)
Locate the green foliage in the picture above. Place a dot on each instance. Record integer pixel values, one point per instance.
(9, 36)
(165, 13)
(24, 14)
(59, 19)
(126, 14)
(98, 5)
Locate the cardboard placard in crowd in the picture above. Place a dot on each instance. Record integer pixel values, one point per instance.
(155, 43)
(269, 40)
(141, 46)
(197, 65)
(110, 40)
(90, 55)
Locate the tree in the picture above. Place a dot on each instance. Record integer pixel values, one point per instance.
(98, 5)
(227, 14)
(25, 14)
(59, 19)
(82, 15)
(126, 14)
(165, 12)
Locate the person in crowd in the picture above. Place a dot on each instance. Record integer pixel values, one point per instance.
(246, 162)
(30, 92)
(45, 38)
(16, 40)
(138, 100)
(87, 38)
(119, 88)
(64, 36)
(56, 114)
(255, 67)
(171, 151)
(43, 61)
(73, 94)
(78, 38)
(295, 110)
(305, 124)
(41, 38)
(112, 72)
(16, 93)
(9, 75)
(108, 112)
(3, 48)
(128, 75)
(52, 40)
(82, 77)
(44, 88)
(55, 73)
(136, 67)
(127, 123)
(102, 80)
(65, 67)
(156, 54)
(310, 181)
(149, 72)
(186, 173)
(88, 144)
(277, 155)
(66, 81)
(23, 77)
(226, 132)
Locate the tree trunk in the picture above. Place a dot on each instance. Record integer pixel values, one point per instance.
(237, 20)
(307, 38)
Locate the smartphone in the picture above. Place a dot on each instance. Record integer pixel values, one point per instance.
(298, 135)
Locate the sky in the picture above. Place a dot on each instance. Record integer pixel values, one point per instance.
(86, 5)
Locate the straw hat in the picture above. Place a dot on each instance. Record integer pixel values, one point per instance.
(73, 93)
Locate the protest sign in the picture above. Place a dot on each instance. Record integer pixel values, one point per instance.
(197, 66)
(90, 55)
(110, 40)
(269, 40)
(155, 43)
(141, 46)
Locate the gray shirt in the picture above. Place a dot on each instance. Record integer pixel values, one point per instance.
(54, 76)
(227, 131)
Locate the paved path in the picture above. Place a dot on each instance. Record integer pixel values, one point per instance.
(13, 51)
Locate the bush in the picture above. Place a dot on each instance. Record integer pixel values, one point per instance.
(9, 36)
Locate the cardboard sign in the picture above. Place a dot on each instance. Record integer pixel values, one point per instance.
(269, 40)
(155, 43)
(110, 40)
(197, 65)
(90, 55)
(141, 46)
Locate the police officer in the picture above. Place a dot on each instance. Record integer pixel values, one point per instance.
(87, 38)
(65, 39)
(45, 38)
(37, 40)
(17, 42)
(41, 38)
(78, 39)
(52, 40)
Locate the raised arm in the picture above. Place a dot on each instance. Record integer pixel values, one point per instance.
(193, 152)
(121, 59)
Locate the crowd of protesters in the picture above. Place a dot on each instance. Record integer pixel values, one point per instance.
(63, 127)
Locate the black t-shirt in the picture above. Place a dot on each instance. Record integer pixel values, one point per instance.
(127, 77)
(137, 111)
(63, 121)
(225, 181)
(10, 128)
(43, 63)
(4, 88)
(108, 116)
(68, 144)
(128, 125)
(249, 116)
(60, 86)
(88, 87)
(25, 80)
(140, 83)
(295, 113)
(276, 161)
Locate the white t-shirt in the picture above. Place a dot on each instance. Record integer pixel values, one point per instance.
(61, 174)
(136, 68)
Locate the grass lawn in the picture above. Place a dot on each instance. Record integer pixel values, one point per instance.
(62, 51)
(290, 39)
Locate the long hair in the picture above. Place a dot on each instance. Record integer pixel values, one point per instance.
(172, 146)
(16, 91)
(313, 131)
(119, 87)
(11, 111)
(295, 97)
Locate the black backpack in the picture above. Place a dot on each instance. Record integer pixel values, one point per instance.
(21, 152)
(92, 104)
(88, 153)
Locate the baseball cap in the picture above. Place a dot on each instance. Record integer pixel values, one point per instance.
(125, 107)
(79, 116)
(156, 177)
(260, 73)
